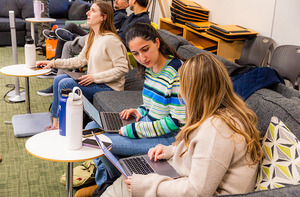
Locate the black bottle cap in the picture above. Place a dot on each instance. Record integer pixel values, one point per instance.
(65, 92)
(29, 40)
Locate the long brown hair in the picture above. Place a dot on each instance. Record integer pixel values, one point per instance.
(206, 88)
(107, 26)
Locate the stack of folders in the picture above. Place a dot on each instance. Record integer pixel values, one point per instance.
(183, 11)
(231, 33)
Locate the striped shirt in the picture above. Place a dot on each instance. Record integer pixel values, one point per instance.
(161, 103)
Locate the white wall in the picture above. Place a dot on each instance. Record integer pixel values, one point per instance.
(278, 19)
(286, 28)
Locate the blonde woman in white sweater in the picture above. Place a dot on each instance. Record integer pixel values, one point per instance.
(105, 55)
(216, 152)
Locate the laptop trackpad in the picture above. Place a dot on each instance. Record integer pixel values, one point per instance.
(130, 120)
(162, 167)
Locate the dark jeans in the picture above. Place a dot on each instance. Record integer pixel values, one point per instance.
(73, 28)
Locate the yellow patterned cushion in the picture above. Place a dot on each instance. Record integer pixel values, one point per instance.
(281, 164)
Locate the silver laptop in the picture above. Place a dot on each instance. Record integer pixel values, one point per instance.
(108, 121)
(74, 75)
(139, 164)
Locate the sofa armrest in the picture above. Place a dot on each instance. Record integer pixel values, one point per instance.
(267, 103)
(172, 39)
(289, 191)
(285, 90)
(188, 51)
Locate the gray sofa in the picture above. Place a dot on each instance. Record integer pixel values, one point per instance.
(61, 10)
(278, 100)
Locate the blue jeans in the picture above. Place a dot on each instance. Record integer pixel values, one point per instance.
(64, 81)
(124, 147)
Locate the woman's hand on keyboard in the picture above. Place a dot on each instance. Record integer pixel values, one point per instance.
(157, 152)
(126, 113)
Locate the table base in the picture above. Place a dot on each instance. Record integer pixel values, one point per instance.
(30, 124)
(13, 97)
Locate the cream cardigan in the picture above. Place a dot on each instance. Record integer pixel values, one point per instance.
(213, 165)
(108, 61)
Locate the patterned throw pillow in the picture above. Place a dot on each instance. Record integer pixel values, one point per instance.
(281, 165)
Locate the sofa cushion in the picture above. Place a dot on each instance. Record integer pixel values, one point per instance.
(5, 27)
(78, 10)
(116, 101)
(132, 81)
(26, 8)
(267, 103)
(281, 165)
(6, 6)
(172, 39)
(188, 51)
(58, 8)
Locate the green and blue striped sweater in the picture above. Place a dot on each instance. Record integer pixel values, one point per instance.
(161, 103)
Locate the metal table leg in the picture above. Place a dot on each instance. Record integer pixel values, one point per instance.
(27, 96)
(32, 30)
(69, 179)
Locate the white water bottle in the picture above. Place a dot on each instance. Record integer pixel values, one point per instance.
(30, 57)
(74, 117)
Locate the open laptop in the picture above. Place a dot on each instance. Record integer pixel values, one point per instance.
(74, 75)
(108, 121)
(139, 164)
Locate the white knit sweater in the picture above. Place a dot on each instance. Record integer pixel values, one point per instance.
(214, 164)
(108, 61)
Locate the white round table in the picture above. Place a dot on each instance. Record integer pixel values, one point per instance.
(49, 145)
(22, 70)
(27, 123)
(34, 20)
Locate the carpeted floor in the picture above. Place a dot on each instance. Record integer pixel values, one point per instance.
(22, 174)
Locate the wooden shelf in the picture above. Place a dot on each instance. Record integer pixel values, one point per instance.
(198, 40)
(202, 40)
(175, 28)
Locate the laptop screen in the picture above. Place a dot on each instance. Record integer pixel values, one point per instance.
(91, 111)
(110, 156)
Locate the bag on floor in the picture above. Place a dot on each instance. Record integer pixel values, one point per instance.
(82, 175)
(51, 45)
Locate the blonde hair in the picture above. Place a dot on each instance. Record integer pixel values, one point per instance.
(107, 26)
(206, 88)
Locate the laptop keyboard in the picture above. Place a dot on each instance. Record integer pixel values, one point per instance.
(138, 165)
(113, 121)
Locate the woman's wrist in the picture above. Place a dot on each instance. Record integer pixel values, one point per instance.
(53, 63)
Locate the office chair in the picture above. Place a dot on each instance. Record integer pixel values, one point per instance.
(286, 61)
(256, 52)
